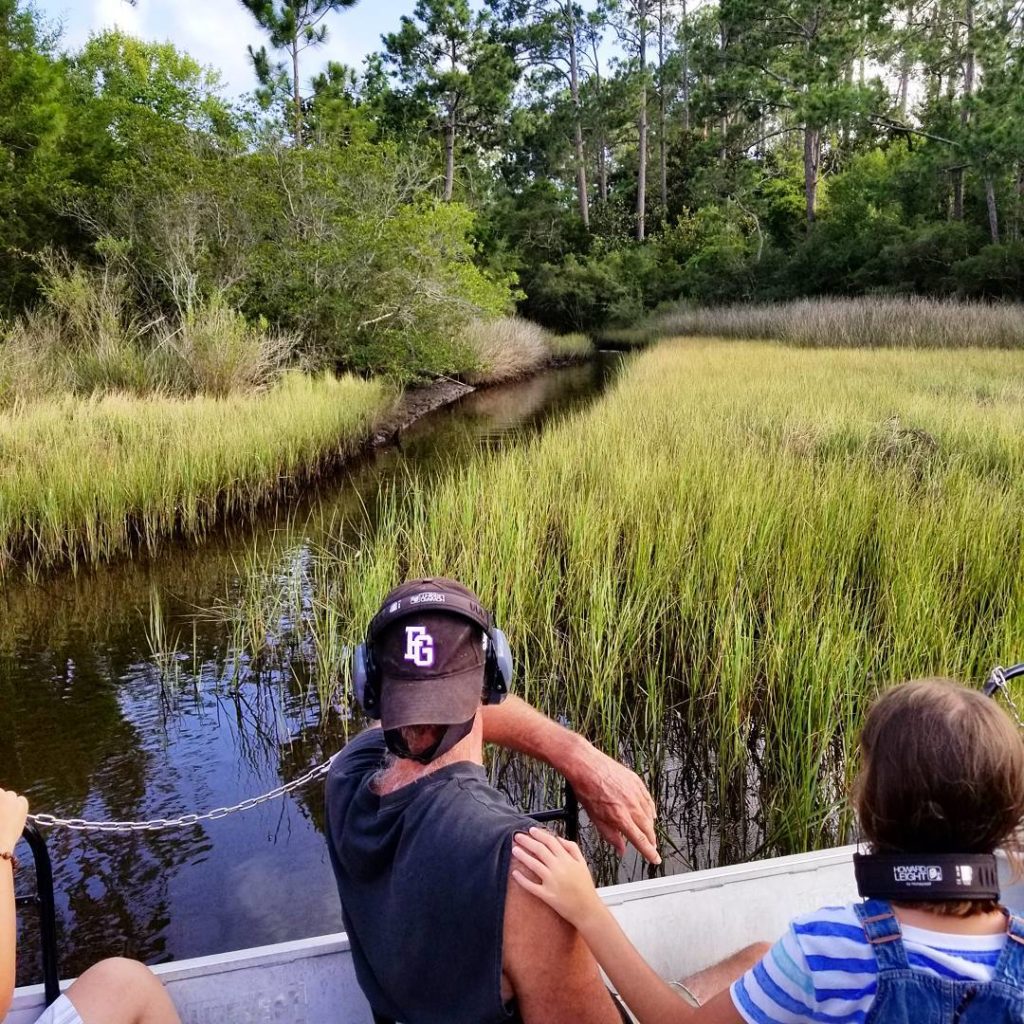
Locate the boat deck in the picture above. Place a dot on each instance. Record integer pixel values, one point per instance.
(681, 924)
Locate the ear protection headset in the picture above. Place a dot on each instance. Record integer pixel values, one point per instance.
(498, 666)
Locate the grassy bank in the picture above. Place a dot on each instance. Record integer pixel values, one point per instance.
(84, 479)
(735, 547)
(509, 348)
(856, 323)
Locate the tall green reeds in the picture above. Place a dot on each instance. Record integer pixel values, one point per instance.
(731, 553)
(83, 479)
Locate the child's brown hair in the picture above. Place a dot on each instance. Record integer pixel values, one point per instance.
(942, 771)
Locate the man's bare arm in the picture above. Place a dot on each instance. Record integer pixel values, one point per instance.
(614, 798)
(552, 973)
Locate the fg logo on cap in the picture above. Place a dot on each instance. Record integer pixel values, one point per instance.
(419, 646)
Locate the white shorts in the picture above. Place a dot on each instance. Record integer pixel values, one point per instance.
(61, 1012)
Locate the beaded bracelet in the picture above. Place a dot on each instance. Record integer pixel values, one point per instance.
(11, 858)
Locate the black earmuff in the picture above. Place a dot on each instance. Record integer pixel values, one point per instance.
(500, 669)
(365, 683)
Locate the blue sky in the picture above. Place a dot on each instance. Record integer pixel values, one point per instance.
(216, 32)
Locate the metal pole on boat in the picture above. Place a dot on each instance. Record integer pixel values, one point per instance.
(572, 814)
(569, 813)
(44, 903)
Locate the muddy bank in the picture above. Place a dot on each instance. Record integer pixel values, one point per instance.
(416, 403)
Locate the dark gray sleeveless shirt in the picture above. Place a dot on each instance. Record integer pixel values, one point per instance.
(422, 874)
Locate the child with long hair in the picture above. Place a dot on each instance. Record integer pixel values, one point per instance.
(942, 772)
(115, 991)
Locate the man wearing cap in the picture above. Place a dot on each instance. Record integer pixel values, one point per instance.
(421, 843)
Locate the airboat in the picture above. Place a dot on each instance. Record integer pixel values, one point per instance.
(681, 924)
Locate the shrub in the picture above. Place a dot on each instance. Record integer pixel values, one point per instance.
(509, 348)
(923, 260)
(85, 338)
(216, 351)
(997, 271)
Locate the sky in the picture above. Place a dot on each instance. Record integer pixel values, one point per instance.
(216, 32)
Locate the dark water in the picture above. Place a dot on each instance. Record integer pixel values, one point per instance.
(90, 727)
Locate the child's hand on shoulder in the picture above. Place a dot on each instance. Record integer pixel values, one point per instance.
(558, 874)
(13, 811)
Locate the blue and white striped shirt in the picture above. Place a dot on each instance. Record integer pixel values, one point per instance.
(823, 969)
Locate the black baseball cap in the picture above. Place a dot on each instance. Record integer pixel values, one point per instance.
(429, 647)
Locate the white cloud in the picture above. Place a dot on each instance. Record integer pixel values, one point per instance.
(214, 33)
(217, 32)
(116, 13)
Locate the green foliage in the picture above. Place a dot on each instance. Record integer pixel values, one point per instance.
(454, 72)
(358, 257)
(996, 271)
(33, 116)
(142, 86)
(341, 242)
(833, 148)
(924, 258)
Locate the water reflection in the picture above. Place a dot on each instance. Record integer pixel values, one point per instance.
(95, 727)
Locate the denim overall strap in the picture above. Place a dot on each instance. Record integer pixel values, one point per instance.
(1010, 967)
(883, 932)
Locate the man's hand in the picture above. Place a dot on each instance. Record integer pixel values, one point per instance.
(616, 801)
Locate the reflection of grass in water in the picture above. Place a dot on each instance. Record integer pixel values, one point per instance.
(744, 538)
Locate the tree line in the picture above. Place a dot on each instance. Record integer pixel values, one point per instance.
(587, 163)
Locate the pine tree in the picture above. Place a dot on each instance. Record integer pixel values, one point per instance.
(447, 58)
(294, 26)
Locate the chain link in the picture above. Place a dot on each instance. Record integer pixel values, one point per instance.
(998, 682)
(160, 824)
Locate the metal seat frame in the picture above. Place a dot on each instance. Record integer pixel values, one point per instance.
(43, 900)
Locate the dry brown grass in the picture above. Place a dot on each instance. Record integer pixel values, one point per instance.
(87, 338)
(873, 322)
(510, 348)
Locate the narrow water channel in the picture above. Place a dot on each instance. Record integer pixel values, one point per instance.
(91, 729)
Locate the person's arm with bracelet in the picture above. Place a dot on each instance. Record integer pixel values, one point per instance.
(554, 870)
(13, 811)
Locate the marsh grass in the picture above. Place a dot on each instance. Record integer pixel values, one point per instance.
(739, 545)
(85, 479)
(88, 338)
(510, 348)
(872, 322)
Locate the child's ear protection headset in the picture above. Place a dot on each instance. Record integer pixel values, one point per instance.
(498, 667)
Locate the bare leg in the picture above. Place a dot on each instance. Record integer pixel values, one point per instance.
(706, 984)
(119, 991)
